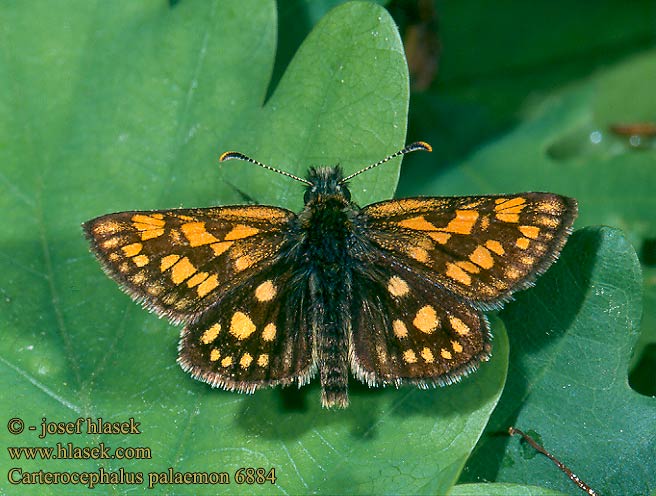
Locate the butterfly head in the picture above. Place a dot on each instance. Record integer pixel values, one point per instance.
(326, 182)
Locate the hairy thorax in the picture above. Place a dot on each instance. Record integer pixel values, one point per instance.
(326, 229)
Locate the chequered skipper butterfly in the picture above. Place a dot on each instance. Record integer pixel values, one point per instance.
(393, 292)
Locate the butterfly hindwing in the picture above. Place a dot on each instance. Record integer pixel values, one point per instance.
(256, 336)
(407, 330)
(179, 262)
(480, 248)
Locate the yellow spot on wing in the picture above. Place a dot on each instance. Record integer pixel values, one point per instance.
(440, 237)
(426, 319)
(508, 217)
(427, 355)
(482, 257)
(148, 220)
(545, 220)
(210, 334)
(207, 285)
(149, 226)
(106, 227)
(513, 204)
(214, 355)
(468, 266)
(111, 242)
(397, 286)
(530, 231)
(457, 347)
(409, 356)
(221, 247)
(419, 254)
(241, 325)
(265, 291)
(196, 234)
(151, 233)
(168, 262)
(400, 330)
(132, 250)
(226, 362)
(246, 360)
(445, 354)
(243, 263)
(263, 360)
(463, 222)
(494, 246)
(197, 279)
(508, 211)
(418, 223)
(240, 231)
(457, 274)
(182, 270)
(140, 260)
(523, 243)
(458, 325)
(269, 332)
(512, 273)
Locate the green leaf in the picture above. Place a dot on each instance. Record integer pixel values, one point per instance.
(568, 376)
(500, 489)
(121, 106)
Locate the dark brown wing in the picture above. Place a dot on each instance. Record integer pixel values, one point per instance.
(256, 336)
(405, 329)
(180, 262)
(482, 248)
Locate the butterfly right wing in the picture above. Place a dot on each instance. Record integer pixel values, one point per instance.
(482, 248)
(406, 329)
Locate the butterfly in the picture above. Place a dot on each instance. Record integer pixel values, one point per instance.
(393, 292)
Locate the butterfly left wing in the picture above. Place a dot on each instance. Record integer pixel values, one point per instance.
(406, 329)
(256, 336)
(180, 262)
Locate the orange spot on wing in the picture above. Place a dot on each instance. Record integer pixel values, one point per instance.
(196, 234)
(457, 274)
(482, 257)
(417, 223)
(530, 231)
(241, 231)
(182, 270)
(207, 285)
(463, 222)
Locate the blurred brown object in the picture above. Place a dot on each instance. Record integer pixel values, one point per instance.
(645, 129)
(421, 41)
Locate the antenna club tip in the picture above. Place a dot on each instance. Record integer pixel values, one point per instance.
(422, 145)
(229, 155)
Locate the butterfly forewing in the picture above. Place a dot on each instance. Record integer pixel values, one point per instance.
(179, 262)
(480, 248)
(256, 336)
(406, 329)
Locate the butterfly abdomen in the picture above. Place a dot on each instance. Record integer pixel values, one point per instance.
(327, 233)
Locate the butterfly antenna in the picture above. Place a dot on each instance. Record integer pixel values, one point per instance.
(413, 147)
(240, 156)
